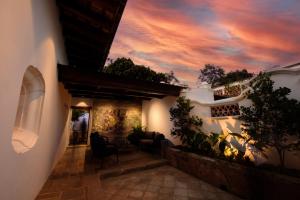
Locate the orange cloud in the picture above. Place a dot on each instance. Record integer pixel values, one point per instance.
(184, 35)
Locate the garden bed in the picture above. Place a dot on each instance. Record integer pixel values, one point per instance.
(246, 182)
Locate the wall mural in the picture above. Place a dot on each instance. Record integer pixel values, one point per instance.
(116, 117)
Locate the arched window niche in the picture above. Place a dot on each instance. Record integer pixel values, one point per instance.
(28, 117)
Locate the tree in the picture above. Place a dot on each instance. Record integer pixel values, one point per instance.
(216, 76)
(185, 126)
(188, 128)
(273, 119)
(234, 76)
(211, 73)
(125, 67)
(171, 78)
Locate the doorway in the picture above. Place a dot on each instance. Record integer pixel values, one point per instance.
(79, 126)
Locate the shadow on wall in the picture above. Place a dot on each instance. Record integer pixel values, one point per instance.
(231, 124)
(47, 39)
(42, 33)
(216, 124)
(63, 132)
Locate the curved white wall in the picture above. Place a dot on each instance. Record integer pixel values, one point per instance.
(290, 80)
(156, 117)
(30, 35)
(283, 77)
(29, 113)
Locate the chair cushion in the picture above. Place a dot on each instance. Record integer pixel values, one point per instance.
(146, 141)
(158, 138)
(149, 135)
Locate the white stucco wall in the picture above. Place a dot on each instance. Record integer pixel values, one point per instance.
(30, 35)
(202, 99)
(290, 80)
(203, 93)
(156, 116)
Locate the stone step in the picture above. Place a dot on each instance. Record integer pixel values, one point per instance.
(127, 149)
(130, 169)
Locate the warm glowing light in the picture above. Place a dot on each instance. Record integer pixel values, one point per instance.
(82, 104)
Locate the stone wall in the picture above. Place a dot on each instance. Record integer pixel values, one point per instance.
(246, 182)
(116, 117)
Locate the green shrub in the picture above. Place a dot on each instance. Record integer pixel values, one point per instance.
(188, 128)
(136, 134)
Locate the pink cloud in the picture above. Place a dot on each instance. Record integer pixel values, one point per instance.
(168, 35)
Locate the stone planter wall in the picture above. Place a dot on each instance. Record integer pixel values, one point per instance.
(246, 182)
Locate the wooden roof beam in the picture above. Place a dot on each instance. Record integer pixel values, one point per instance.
(70, 42)
(80, 78)
(139, 95)
(84, 62)
(110, 97)
(85, 15)
(107, 89)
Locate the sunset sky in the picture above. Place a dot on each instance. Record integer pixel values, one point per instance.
(183, 35)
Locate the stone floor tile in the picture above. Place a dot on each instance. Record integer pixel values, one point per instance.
(132, 198)
(90, 180)
(94, 192)
(110, 190)
(210, 195)
(141, 187)
(124, 192)
(181, 192)
(74, 193)
(166, 190)
(180, 197)
(195, 193)
(76, 177)
(152, 188)
(180, 184)
(46, 196)
(150, 195)
(156, 182)
(165, 197)
(136, 194)
(130, 186)
(226, 196)
(169, 183)
(118, 197)
(202, 198)
(144, 180)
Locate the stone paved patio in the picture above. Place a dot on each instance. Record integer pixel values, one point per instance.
(162, 183)
(76, 177)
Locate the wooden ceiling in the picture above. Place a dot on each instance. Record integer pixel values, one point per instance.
(88, 84)
(89, 27)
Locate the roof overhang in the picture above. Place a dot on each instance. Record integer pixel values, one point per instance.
(83, 83)
(89, 27)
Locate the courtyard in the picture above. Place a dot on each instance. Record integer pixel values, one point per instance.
(77, 176)
(136, 99)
